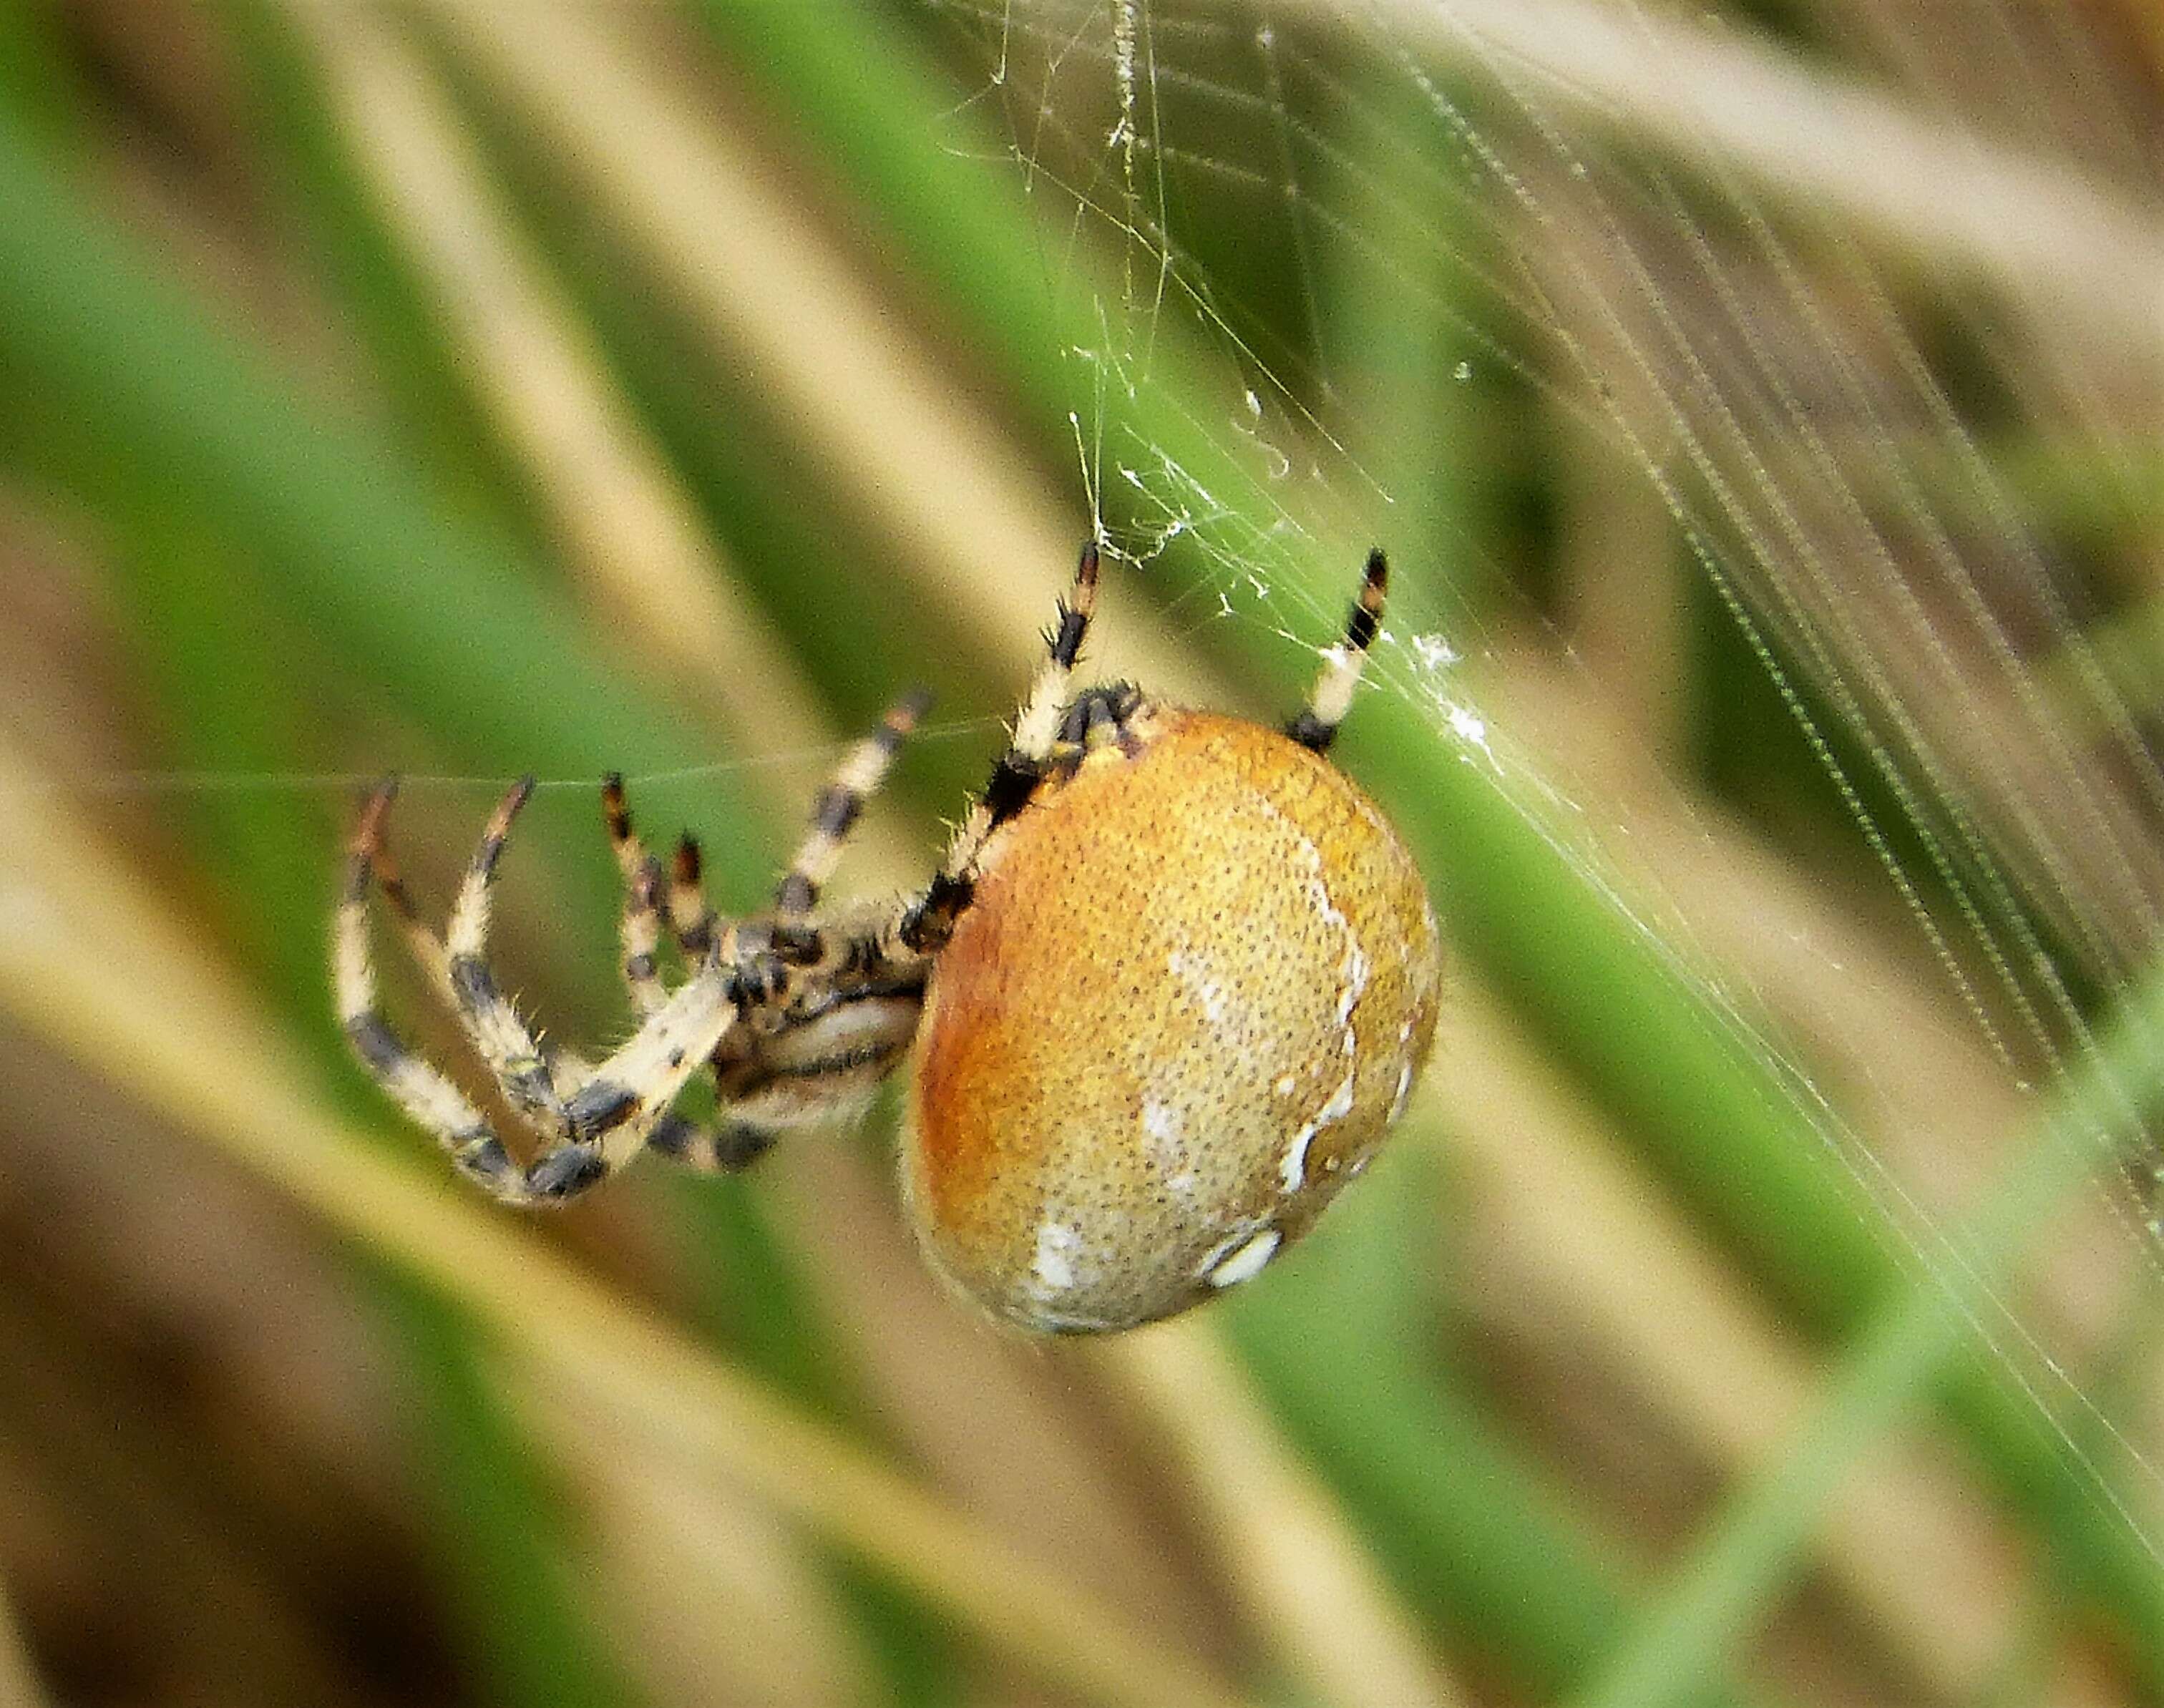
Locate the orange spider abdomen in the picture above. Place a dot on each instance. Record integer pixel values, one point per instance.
(1189, 997)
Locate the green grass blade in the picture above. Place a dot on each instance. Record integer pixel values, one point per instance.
(447, 608)
(1904, 1350)
(1730, 1130)
(494, 1524)
(1487, 1553)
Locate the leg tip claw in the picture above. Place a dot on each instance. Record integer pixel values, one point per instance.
(368, 829)
(688, 862)
(508, 809)
(909, 709)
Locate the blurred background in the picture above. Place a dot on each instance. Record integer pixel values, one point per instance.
(1761, 1302)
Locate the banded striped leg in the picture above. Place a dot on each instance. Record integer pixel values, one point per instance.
(1316, 725)
(616, 1111)
(689, 916)
(434, 959)
(513, 1053)
(601, 1118)
(608, 1117)
(729, 1145)
(722, 1148)
(426, 1095)
(835, 808)
(641, 925)
(821, 1057)
(1015, 776)
(428, 947)
(711, 1150)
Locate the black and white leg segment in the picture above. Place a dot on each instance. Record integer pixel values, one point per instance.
(435, 961)
(601, 1119)
(689, 916)
(427, 948)
(1037, 726)
(430, 1098)
(725, 1148)
(513, 1053)
(640, 928)
(835, 809)
(1316, 725)
(647, 897)
(610, 1116)
(1017, 771)
(641, 939)
(821, 1057)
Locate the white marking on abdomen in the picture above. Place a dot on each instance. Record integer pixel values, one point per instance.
(1247, 1260)
(1293, 1171)
(1053, 1269)
(1194, 971)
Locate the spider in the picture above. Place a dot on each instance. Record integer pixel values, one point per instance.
(1167, 990)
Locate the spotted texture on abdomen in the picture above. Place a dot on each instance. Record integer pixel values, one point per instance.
(1190, 995)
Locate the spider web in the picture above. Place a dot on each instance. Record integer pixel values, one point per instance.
(1782, 306)
(1620, 326)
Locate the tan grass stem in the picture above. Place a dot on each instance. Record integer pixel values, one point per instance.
(626, 527)
(1288, 1549)
(1575, 1236)
(18, 1678)
(966, 517)
(665, 1543)
(91, 962)
(1911, 181)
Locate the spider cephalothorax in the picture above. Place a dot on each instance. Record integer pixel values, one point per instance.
(1169, 990)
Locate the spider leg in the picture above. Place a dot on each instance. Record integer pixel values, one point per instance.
(1096, 718)
(565, 1066)
(613, 1114)
(514, 1055)
(1315, 725)
(623, 1105)
(689, 916)
(725, 1148)
(818, 1056)
(732, 1144)
(605, 1114)
(1037, 727)
(425, 1095)
(427, 947)
(835, 808)
(641, 925)
(736, 1143)
(1016, 773)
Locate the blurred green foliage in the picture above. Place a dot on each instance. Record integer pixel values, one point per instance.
(301, 581)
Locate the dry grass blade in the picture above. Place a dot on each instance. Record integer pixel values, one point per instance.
(1906, 180)
(19, 1680)
(1290, 1550)
(1926, 1093)
(1906, 1545)
(625, 524)
(174, 1033)
(666, 1544)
